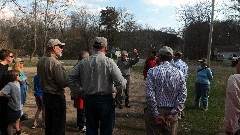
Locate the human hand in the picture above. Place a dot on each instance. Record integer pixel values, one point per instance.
(159, 120)
(169, 119)
(135, 51)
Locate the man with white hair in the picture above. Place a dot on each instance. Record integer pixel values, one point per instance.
(53, 80)
(165, 94)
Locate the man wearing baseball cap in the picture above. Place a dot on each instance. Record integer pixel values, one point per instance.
(165, 94)
(53, 80)
(94, 78)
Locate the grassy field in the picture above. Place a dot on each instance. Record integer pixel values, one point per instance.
(196, 121)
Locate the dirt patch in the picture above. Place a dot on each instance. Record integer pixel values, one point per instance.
(129, 121)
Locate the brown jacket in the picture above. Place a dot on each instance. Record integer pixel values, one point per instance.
(52, 75)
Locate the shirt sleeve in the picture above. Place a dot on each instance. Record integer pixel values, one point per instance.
(182, 94)
(135, 60)
(232, 109)
(6, 90)
(150, 95)
(60, 76)
(74, 81)
(209, 74)
(118, 79)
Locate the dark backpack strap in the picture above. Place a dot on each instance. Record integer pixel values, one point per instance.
(201, 69)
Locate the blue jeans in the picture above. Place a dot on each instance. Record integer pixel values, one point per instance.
(202, 91)
(100, 111)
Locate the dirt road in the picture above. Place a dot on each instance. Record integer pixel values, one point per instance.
(129, 121)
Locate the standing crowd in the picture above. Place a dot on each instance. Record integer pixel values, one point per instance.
(94, 80)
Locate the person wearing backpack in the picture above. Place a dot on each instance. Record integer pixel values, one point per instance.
(202, 84)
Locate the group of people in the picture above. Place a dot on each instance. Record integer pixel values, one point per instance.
(91, 82)
(13, 88)
(14, 84)
(94, 80)
(166, 75)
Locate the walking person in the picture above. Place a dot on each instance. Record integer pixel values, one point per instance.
(53, 80)
(12, 91)
(18, 65)
(79, 102)
(124, 65)
(165, 94)
(6, 57)
(150, 62)
(93, 78)
(202, 84)
(38, 93)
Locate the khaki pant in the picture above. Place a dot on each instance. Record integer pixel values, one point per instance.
(153, 129)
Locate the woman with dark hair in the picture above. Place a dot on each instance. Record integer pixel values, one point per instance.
(6, 56)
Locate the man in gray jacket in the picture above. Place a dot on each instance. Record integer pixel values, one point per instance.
(53, 80)
(94, 78)
(125, 64)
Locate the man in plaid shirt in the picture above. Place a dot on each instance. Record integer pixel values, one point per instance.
(165, 94)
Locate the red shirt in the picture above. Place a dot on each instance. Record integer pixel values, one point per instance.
(149, 63)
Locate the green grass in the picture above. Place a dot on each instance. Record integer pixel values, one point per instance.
(196, 121)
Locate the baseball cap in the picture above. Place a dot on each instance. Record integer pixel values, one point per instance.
(100, 42)
(202, 60)
(17, 60)
(165, 50)
(177, 53)
(53, 42)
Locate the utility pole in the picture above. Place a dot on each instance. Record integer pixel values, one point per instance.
(210, 34)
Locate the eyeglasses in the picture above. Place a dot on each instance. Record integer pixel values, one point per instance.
(19, 75)
(11, 56)
(60, 46)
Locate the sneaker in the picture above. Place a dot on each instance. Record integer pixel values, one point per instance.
(205, 109)
(34, 126)
(83, 129)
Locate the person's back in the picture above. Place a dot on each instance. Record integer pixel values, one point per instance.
(165, 94)
(96, 74)
(93, 78)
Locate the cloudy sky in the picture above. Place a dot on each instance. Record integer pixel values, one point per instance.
(155, 13)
